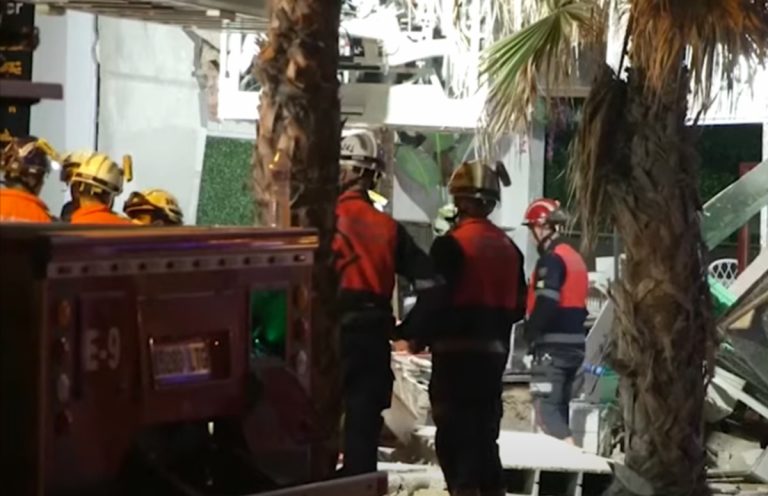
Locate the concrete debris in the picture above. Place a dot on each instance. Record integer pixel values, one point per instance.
(719, 402)
(536, 464)
(760, 468)
(591, 425)
(413, 480)
(410, 398)
(732, 454)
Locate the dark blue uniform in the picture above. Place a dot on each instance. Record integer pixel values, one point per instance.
(555, 331)
(370, 249)
(484, 297)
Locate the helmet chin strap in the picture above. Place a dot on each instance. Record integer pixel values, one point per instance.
(543, 243)
(358, 181)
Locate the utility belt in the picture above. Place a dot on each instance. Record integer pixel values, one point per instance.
(464, 345)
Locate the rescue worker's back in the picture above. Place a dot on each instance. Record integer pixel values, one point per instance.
(469, 338)
(95, 180)
(365, 244)
(98, 214)
(484, 269)
(370, 248)
(24, 164)
(20, 206)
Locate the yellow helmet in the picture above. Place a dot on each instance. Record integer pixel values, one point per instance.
(24, 156)
(72, 161)
(475, 179)
(101, 173)
(154, 201)
(26, 162)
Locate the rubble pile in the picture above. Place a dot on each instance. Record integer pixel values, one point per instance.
(737, 400)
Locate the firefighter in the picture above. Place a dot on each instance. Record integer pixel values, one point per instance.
(94, 184)
(25, 163)
(370, 249)
(68, 165)
(485, 296)
(557, 309)
(153, 207)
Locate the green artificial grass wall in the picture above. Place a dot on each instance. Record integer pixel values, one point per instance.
(225, 192)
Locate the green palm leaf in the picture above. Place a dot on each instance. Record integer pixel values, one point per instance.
(546, 47)
(438, 142)
(419, 166)
(461, 151)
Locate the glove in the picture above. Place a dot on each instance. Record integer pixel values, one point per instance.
(528, 361)
(415, 347)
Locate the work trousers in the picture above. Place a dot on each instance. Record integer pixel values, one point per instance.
(367, 382)
(465, 392)
(553, 372)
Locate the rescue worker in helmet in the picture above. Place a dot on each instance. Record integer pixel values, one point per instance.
(557, 309)
(153, 207)
(94, 184)
(68, 166)
(370, 249)
(25, 163)
(485, 296)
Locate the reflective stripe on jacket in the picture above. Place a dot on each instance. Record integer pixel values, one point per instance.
(561, 276)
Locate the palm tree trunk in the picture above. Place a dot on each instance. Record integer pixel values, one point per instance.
(664, 349)
(299, 118)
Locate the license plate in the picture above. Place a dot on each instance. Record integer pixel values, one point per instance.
(180, 363)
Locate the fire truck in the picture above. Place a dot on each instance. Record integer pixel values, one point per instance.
(172, 361)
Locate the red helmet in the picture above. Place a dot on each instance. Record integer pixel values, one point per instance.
(544, 211)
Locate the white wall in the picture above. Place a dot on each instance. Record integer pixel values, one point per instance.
(65, 56)
(150, 107)
(523, 156)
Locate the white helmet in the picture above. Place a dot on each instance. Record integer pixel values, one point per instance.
(360, 151)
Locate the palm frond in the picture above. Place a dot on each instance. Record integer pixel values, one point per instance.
(548, 47)
(596, 163)
(714, 36)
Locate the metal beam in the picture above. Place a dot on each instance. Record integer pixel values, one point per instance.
(725, 213)
(231, 15)
(735, 205)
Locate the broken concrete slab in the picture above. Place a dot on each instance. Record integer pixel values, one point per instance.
(410, 395)
(760, 469)
(410, 480)
(538, 451)
(732, 454)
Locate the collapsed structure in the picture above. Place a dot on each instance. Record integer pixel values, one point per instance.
(737, 402)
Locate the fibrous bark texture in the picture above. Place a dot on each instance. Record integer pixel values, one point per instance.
(633, 157)
(299, 118)
(665, 346)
